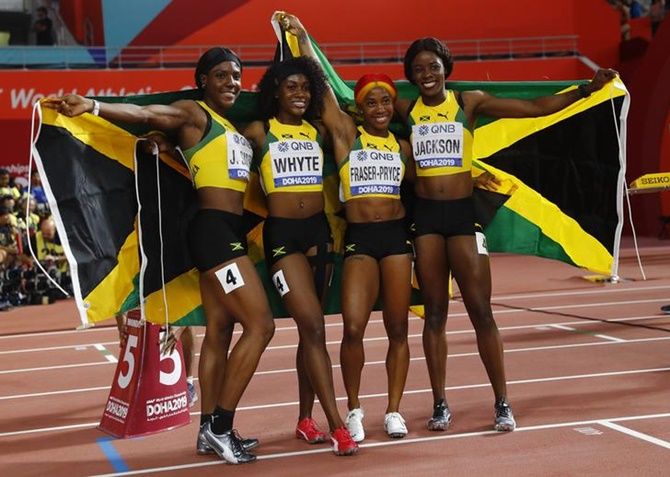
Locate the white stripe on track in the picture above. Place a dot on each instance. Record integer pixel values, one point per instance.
(636, 434)
(400, 442)
(383, 338)
(493, 298)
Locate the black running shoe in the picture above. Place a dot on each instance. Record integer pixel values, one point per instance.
(441, 419)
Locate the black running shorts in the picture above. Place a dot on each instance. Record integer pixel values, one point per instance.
(444, 217)
(377, 239)
(215, 237)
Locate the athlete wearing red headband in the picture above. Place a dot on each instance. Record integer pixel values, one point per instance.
(378, 253)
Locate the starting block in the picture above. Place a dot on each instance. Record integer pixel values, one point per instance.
(148, 394)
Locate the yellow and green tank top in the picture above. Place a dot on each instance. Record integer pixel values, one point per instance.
(291, 160)
(374, 168)
(441, 141)
(222, 157)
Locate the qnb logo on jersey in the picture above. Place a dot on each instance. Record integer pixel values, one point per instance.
(361, 155)
(438, 145)
(283, 146)
(382, 156)
(296, 163)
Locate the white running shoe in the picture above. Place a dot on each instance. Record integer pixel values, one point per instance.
(504, 418)
(394, 425)
(354, 423)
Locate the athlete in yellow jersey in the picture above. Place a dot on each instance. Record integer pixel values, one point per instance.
(441, 122)
(296, 235)
(378, 253)
(231, 289)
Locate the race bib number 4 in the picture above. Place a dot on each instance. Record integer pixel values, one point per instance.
(438, 144)
(239, 156)
(296, 163)
(230, 278)
(374, 172)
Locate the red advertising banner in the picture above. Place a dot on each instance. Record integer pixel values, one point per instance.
(148, 394)
(19, 90)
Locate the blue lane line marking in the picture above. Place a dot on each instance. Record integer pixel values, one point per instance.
(112, 455)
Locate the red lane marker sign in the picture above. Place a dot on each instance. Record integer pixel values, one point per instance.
(148, 394)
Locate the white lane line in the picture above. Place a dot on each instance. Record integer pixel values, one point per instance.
(605, 337)
(456, 355)
(54, 393)
(472, 386)
(427, 390)
(597, 291)
(106, 353)
(401, 442)
(542, 326)
(60, 332)
(577, 293)
(49, 368)
(636, 434)
(78, 347)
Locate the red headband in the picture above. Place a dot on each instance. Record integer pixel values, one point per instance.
(367, 82)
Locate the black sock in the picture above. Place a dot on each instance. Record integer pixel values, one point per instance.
(205, 418)
(222, 420)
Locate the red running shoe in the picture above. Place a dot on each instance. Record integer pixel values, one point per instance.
(309, 431)
(343, 444)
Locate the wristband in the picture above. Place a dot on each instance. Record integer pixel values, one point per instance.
(96, 108)
(583, 93)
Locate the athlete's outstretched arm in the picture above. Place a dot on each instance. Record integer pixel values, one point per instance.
(480, 103)
(158, 116)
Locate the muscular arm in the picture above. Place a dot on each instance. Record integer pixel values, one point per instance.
(163, 117)
(480, 103)
(339, 124)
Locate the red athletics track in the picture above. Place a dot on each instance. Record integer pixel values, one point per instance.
(588, 367)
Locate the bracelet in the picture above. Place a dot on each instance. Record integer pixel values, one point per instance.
(96, 108)
(583, 93)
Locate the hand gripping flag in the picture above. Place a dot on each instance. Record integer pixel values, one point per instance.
(560, 196)
(562, 175)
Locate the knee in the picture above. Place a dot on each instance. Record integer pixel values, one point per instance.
(435, 321)
(265, 329)
(397, 334)
(483, 321)
(218, 334)
(313, 332)
(353, 332)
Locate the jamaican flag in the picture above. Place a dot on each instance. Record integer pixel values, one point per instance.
(86, 165)
(562, 175)
(123, 214)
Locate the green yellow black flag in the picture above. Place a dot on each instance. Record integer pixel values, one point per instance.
(562, 175)
(560, 197)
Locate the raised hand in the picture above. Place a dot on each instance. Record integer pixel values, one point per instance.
(600, 79)
(70, 105)
(290, 23)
